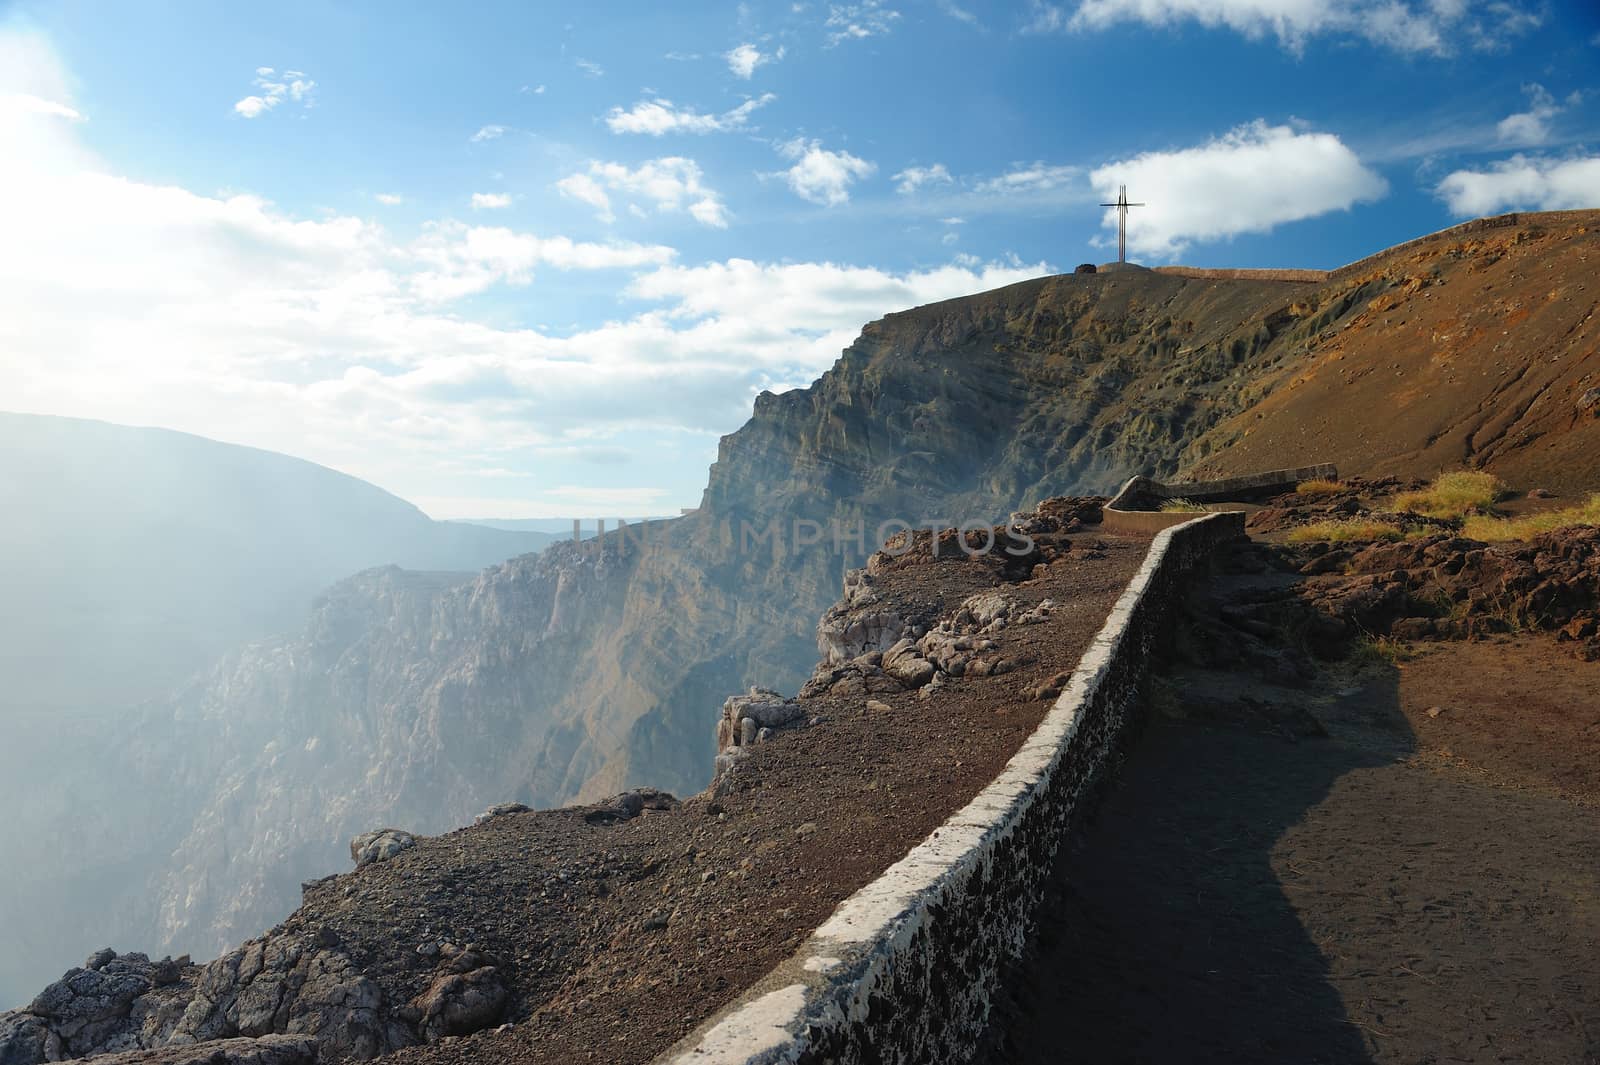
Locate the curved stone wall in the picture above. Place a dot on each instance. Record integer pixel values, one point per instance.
(1206, 273)
(904, 970)
(1135, 509)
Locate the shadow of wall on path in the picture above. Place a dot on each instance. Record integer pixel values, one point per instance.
(1166, 934)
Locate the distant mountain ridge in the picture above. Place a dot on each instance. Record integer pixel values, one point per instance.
(132, 557)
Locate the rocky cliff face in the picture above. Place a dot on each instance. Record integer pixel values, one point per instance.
(417, 700)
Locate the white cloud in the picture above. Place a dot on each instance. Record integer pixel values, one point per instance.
(21, 102)
(487, 133)
(590, 68)
(458, 260)
(913, 178)
(955, 11)
(1533, 125)
(854, 22)
(744, 59)
(292, 85)
(532, 90)
(585, 189)
(490, 201)
(1523, 183)
(821, 176)
(335, 338)
(1031, 178)
(1249, 180)
(669, 184)
(1422, 26)
(389, 199)
(803, 299)
(656, 117)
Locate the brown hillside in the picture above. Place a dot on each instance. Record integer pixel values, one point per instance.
(1476, 349)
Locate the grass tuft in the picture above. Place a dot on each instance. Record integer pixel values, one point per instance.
(1319, 487)
(1495, 530)
(1380, 651)
(1182, 506)
(1343, 531)
(1454, 495)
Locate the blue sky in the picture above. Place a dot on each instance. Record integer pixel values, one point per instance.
(534, 259)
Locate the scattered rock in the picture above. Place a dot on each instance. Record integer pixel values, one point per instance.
(265, 1050)
(380, 845)
(1590, 400)
(628, 805)
(501, 810)
(1580, 628)
(466, 995)
(744, 717)
(1435, 711)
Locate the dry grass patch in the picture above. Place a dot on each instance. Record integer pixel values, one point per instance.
(1182, 506)
(1494, 530)
(1454, 495)
(1343, 531)
(1319, 487)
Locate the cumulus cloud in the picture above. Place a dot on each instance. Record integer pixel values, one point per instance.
(389, 199)
(822, 176)
(1249, 180)
(1416, 26)
(490, 201)
(668, 185)
(913, 178)
(275, 88)
(744, 59)
(458, 260)
(658, 116)
(487, 133)
(854, 22)
(1523, 183)
(1533, 125)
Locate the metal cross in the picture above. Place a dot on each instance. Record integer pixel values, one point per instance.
(1122, 206)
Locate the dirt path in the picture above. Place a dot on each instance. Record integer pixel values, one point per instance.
(1407, 888)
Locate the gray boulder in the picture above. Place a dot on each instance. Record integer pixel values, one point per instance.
(380, 845)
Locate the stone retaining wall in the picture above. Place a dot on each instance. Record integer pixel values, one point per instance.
(1465, 229)
(905, 969)
(1135, 509)
(1477, 225)
(1205, 273)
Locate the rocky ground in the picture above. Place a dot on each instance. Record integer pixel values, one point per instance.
(1435, 584)
(605, 932)
(1361, 823)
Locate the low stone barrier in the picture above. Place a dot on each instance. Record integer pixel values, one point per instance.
(1463, 229)
(1207, 273)
(905, 969)
(1136, 508)
(1466, 229)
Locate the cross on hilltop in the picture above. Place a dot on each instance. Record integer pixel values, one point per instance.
(1122, 206)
